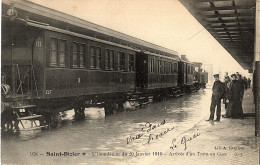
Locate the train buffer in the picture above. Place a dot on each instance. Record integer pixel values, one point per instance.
(29, 116)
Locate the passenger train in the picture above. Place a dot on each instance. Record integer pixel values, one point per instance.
(52, 62)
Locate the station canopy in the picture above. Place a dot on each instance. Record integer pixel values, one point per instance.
(231, 23)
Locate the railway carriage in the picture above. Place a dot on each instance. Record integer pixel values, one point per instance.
(52, 62)
(185, 75)
(66, 65)
(156, 74)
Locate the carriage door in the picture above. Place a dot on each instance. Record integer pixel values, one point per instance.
(141, 70)
(185, 73)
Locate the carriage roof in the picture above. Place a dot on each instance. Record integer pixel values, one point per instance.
(33, 11)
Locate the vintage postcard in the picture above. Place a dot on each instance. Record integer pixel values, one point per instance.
(121, 82)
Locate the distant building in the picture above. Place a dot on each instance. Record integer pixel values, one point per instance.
(209, 69)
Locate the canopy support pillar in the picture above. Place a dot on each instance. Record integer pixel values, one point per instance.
(256, 80)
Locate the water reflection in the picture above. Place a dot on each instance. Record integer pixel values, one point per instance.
(108, 134)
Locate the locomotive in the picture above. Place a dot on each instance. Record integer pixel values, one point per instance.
(52, 62)
(200, 75)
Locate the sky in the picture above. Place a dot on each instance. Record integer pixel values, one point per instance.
(163, 22)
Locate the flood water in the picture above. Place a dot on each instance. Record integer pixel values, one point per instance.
(108, 135)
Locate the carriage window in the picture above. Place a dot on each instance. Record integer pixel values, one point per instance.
(78, 52)
(170, 68)
(121, 61)
(54, 52)
(168, 65)
(57, 52)
(164, 67)
(112, 60)
(196, 69)
(131, 62)
(98, 57)
(82, 55)
(159, 66)
(175, 68)
(92, 57)
(75, 55)
(95, 57)
(62, 52)
(109, 59)
(151, 65)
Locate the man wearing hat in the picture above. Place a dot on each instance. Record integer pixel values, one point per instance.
(218, 92)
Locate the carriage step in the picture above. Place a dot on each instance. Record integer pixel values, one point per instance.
(29, 117)
(24, 106)
(19, 97)
(34, 128)
(131, 99)
(141, 98)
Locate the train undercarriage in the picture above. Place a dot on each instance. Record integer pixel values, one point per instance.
(45, 113)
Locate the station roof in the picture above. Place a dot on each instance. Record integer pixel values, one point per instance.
(230, 22)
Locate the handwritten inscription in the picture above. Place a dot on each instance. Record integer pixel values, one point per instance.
(133, 138)
(146, 130)
(149, 127)
(152, 137)
(184, 141)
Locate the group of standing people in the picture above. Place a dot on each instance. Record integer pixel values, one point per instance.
(232, 92)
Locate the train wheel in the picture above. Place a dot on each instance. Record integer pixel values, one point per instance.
(108, 108)
(9, 121)
(119, 106)
(79, 113)
(50, 119)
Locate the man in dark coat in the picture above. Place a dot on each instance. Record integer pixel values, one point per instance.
(245, 82)
(218, 91)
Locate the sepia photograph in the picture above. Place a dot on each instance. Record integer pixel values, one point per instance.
(125, 82)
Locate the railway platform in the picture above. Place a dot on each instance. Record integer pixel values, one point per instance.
(230, 141)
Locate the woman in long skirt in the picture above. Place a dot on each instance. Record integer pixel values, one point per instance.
(237, 90)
